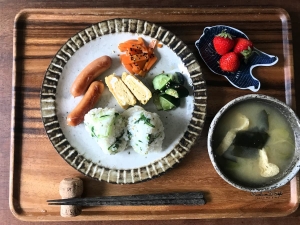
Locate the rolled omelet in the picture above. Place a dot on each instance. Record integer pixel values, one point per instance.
(139, 90)
(120, 91)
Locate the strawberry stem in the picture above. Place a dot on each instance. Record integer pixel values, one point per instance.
(248, 53)
(224, 34)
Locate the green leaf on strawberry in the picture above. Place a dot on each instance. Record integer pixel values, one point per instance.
(223, 43)
(244, 48)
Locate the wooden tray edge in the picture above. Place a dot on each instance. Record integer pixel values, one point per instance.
(12, 203)
(17, 211)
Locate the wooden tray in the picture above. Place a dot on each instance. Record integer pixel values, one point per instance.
(37, 169)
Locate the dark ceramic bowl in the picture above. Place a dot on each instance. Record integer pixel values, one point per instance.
(284, 176)
(243, 77)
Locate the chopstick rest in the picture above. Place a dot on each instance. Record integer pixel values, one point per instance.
(179, 198)
(70, 188)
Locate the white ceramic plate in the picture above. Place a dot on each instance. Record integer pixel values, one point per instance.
(76, 146)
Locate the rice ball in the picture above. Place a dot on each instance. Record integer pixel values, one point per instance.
(145, 131)
(107, 127)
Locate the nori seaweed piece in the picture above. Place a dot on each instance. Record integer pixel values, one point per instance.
(245, 152)
(228, 154)
(263, 122)
(251, 139)
(235, 152)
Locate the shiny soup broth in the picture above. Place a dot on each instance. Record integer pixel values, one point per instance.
(253, 143)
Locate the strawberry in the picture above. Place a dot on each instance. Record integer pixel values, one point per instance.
(229, 62)
(223, 43)
(243, 47)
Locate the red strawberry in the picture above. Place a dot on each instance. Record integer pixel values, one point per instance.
(243, 47)
(229, 62)
(223, 43)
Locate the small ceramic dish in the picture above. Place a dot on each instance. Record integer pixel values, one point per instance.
(75, 145)
(243, 78)
(272, 182)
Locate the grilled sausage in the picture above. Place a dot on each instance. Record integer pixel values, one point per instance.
(89, 74)
(88, 101)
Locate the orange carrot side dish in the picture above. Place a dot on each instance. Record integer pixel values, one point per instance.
(138, 58)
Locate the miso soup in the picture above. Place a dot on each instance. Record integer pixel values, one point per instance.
(250, 138)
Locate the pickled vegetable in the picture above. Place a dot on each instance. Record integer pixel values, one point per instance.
(160, 81)
(170, 89)
(178, 78)
(168, 102)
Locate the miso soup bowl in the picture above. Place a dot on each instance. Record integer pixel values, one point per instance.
(284, 176)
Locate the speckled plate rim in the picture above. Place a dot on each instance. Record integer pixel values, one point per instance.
(48, 99)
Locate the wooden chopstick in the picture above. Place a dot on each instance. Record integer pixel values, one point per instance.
(179, 198)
